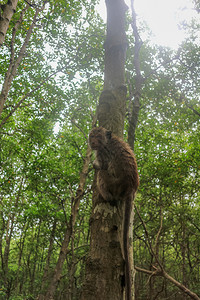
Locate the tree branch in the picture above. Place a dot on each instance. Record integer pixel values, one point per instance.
(24, 98)
(14, 64)
(160, 270)
(162, 273)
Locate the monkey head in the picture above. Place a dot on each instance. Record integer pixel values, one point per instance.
(99, 137)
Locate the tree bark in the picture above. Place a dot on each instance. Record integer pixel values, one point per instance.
(112, 103)
(8, 11)
(104, 276)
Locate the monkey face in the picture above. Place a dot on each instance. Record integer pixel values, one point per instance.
(95, 141)
(98, 138)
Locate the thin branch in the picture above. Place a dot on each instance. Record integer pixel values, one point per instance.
(159, 231)
(24, 98)
(148, 238)
(162, 273)
(79, 127)
(176, 57)
(14, 63)
(14, 32)
(183, 98)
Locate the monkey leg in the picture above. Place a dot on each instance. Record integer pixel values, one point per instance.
(103, 189)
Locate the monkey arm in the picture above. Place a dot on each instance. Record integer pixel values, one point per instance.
(100, 164)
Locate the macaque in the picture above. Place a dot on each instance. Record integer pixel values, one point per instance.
(117, 180)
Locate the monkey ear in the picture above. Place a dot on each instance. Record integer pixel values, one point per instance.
(108, 134)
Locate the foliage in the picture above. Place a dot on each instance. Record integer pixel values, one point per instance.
(43, 146)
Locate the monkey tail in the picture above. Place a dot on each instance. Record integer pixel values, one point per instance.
(127, 217)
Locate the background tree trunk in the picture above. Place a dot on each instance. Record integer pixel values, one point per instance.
(15, 59)
(7, 12)
(46, 268)
(57, 273)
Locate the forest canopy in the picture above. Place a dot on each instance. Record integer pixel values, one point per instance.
(51, 77)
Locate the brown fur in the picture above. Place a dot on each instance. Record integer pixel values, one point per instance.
(117, 180)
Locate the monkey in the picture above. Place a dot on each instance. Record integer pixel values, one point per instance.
(117, 180)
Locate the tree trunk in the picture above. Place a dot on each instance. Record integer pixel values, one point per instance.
(63, 251)
(112, 103)
(135, 94)
(2, 229)
(35, 256)
(8, 11)
(58, 269)
(9, 232)
(18, 281)
(104, 278)
(46, 268)
(15, 60)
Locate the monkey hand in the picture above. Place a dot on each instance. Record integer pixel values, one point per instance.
(96, 165)
(100, 165)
